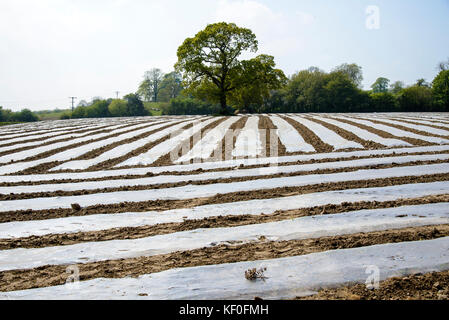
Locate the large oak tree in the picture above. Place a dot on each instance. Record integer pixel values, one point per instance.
(210, 65)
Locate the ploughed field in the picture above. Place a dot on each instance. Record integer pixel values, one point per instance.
(181, 207)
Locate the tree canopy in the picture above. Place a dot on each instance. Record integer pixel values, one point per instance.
(257, 78)
(118, 108)
(353, 71)
(381, 85)
(440, 87)
(210, 65)
(396, 87)
(24, 115)
(171, 86)
(151, 85)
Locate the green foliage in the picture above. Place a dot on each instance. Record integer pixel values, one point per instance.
(381, 85)
(341, 93)
(79, 112)
(129, 107)
(151, 85)
(316, 91)
(2, 115)
(397, 87)
(189, 106)
(305, 91)
(171, 87)
(99, 109)
(155, 108)
(422, 83)
(135, 105)
(440, 89)
(416, 98)
(383, 102)
(118, 108)
(25, 115)
(55, 114)
(65, 116)
(353, 71)
(209, 61)
(144, 90)
(257, 78)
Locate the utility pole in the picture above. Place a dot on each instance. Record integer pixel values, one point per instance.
(117, 93)
(73, 102)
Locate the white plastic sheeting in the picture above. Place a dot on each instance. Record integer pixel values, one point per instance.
(326, 135)
(286, 230)
(248, 143)
(36, 134)
(46, 138)
(167, 146)
(423, 128)
(36, 151)
(400, 133)
(209, 190)
(255, 172)
(417, 120)
(251, 207)
(366, 135)
(79, 151)
(204, 148)
(217, 165)
(54, 138)
(290, 137)
(74, 152)
(286, 277)
(124, 148)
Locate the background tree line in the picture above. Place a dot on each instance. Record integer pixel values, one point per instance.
(265, 89)
(130, 106)
(314, 90)
(214, 80)
(210, 78)
(25, 115)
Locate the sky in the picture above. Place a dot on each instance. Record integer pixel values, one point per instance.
(51, 50)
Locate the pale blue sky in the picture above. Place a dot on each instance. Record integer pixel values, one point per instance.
(53, 49)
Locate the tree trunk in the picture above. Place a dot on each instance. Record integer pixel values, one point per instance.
(224, 106)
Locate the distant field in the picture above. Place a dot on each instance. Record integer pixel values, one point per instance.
(155, 108)
(180, 207)
(52, 115)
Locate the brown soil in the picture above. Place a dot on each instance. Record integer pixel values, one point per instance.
(309, 137)
(349, 135)
(46, 143)
(56, 275)
(39, 169)
(269, 128)
(385, 134)
(207, 223)
(20, 196)
(430, 286)
(224, 151)
(185, 146)
(421, 124)
(439, 121)
(30, 133)
(95, 153)
(112, 162)
(183, 173)
(161, 205)
(422, 133)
